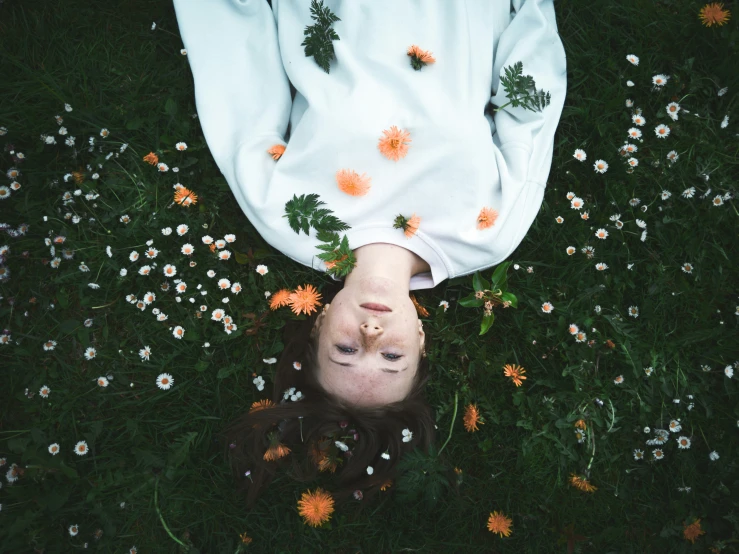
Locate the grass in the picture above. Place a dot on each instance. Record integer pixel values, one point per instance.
(157, 451)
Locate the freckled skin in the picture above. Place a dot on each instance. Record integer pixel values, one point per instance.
(381, 275)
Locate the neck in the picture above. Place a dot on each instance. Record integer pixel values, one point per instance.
(386, 261)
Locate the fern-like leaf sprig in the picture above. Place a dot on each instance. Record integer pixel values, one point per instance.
(318, 36)
(521, 90)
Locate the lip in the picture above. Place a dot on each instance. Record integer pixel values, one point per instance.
(374, 307)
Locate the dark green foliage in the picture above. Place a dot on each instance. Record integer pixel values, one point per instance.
(319, 36)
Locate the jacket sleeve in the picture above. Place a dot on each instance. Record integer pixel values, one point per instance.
(242, 92)
(526, 138)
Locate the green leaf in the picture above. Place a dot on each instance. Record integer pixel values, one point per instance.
(202, 365)
(487, 322)
(68, 326)
(226, 371)
(170, 106)
(510, 297)
(477, 282)
(500, 275)
(470, 301)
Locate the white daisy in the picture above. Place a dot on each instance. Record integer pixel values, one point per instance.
(577, 203)
(258, 382)
(658, 453)
(672, 108)
(600, 166)
(341, 446)
(729, 371)
(634, 133)
(629, 103)
(44, 391)
(629, 83)
(662, 130)
(618, 380)
(648, 370)
(666, 194)
(675, 426)
(713, 456)
(145, 352)
(725, 122)
(178, 332)
(164, 381)
(580, 155)
(407, 435)
(90, 353)
(169, 270)
(80, 448)
(633, 59)
(547, 307)
(638, 119)
(262, 269)
(54, 448)
(50, 345)
(73, 529)
(659, 80)
(601, 266)
(386, 455)
(102, 382)
(717, 200)
(638, 454)
(689, 193)
(633, 311)
(683, 442)
(601, 234)
(687, 268)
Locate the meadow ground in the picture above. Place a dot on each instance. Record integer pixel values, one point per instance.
(654, 301)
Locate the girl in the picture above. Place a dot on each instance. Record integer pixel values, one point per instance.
(383, 109)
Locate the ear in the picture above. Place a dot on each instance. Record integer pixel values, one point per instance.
(319, 321)
(422, 335)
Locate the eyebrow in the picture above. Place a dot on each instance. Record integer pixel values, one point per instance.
(385, 369)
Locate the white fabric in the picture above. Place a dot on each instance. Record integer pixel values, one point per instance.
(244, 55)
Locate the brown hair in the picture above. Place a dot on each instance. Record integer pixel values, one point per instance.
(309, 427)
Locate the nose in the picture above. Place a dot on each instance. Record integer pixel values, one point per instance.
(371, 330)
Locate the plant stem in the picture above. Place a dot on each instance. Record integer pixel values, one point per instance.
(156, 505)
(451, 427)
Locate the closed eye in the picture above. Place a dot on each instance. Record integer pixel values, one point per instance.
(343, 350)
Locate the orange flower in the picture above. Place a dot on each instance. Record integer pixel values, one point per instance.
(151, 158)
(275, 452)
(261, 405)
(392, 145)
(422, 312)
(245, 539)
(714, 13)
(610, 344)
(693, 531)
(580, 424)
(386, 485)
(329, 265)
(457, 471)
(321, 459)
(276, 151)
(212, 247)
(409, 226)
(498, 523)
(316, 507)
(279, 299)
(79, 177)
(352, 183)
(581, 483)
(185, 197)
(472, 418)
(486, 218)
(515, 372)
(304, 300)
(419, 57)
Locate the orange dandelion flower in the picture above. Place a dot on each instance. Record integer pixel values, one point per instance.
(245, 539)
(457, 471)
(304, 300)
(276, 151)
(472, 418)
(419, 57)
(515, 372)
(261, 405)
(321, 459)
(79, 177)
(714, 13)
(486, 218)
(581, 483)
(386, 485)
(275, 452)
(330, 265)
(409, 226)
(316, 507)
(693, 531)
(151, 158)
(498, 523)
(392, 145)
(352, 183)
(279, 299)
(580, 424)
(422, 312)
(185, 197)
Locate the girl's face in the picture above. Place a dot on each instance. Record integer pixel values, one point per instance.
(368, 358)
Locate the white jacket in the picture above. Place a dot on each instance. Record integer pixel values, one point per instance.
(244, 54)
